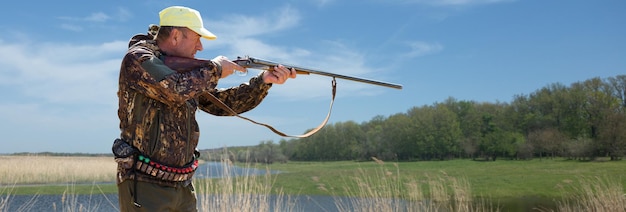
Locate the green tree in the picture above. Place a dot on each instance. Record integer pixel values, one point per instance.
(267, 152)
(397, 133)
(375, 142)
(554, 120)
(469, 121)
(349, 134)
(547, 141)
(618, 90)
(447, 132)
(613, 135)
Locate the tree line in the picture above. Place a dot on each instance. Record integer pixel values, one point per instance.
(582, 121)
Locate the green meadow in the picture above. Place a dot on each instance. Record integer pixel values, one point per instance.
(494, 179)
(503, 183)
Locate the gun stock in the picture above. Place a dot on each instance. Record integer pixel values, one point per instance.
(256, 63)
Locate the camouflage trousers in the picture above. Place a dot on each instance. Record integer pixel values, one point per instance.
(153, 197)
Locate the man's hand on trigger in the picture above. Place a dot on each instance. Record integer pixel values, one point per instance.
(228, 67)
(279, 75)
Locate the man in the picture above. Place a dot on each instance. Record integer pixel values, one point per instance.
(161, 86)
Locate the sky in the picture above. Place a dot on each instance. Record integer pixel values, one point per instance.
(59, 60)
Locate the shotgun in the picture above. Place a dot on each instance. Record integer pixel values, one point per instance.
(256, 63)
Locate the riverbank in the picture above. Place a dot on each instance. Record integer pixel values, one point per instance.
(500, 184)
(109, 203)
(491, 179)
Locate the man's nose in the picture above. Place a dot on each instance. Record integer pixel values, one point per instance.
(199, 46)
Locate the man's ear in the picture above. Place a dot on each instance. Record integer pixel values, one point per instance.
(176, 35)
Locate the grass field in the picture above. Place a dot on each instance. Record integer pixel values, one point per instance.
(534, 180)
(499, 179)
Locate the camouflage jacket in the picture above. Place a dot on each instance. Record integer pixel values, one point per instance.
(157, 104)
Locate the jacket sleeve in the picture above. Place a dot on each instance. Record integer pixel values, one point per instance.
(148, 74)
(241, 99)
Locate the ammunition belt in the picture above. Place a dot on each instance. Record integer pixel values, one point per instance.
(164, 172)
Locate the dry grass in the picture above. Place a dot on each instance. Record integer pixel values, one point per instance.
(383, 190)
(594, 194)
(25, 170)
(248, 192)
(55, 169)
(386, 190)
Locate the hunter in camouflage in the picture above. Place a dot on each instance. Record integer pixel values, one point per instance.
(161, 86)
(157, 105)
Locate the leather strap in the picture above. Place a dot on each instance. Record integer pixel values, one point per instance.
(225, 107)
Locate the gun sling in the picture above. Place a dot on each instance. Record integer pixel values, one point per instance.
(225, 107)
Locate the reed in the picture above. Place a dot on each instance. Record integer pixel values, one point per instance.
(69, 201)
(17, 170)
(593, 194)
(384, 188)
(387, 190)
(248, 192)
(57, 170)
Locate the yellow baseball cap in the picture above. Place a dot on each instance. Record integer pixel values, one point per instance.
(184, 17)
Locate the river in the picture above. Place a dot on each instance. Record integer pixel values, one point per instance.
(109, 202)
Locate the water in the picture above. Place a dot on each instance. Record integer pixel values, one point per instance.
(109, 202)
(44, 203)
(216, 169)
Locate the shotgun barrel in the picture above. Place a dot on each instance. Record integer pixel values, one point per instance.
(256, 63)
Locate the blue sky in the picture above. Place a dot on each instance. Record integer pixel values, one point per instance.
(59, 60)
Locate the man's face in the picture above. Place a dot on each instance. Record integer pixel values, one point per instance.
(188, 44)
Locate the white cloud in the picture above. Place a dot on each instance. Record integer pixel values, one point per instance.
(455, 2)
(419, 48)
(122, 14)
(32, 127)
(258, 48)
(71, 27)
(57, 72)
(237, 26)
(62, 72)
(97, 17)
(54, 93)
(322, 3)
(78, 24)
(65, 87)
(242, 34)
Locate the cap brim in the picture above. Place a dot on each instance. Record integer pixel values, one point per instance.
(205, 33)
